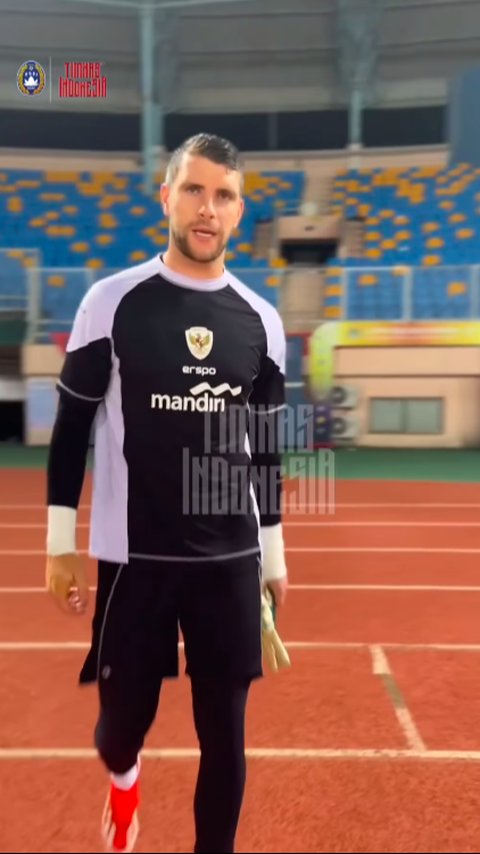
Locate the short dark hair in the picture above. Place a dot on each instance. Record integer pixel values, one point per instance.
(214, 148)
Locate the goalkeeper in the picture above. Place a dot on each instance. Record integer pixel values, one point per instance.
(159, 356)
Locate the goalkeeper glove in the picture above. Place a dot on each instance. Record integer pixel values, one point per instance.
(273, 649)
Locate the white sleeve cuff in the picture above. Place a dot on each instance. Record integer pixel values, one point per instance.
(61, 530)
(273, 553)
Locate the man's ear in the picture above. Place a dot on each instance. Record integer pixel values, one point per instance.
(165, 198)
(241, 209)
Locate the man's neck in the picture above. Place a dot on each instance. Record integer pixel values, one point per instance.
(179, 263)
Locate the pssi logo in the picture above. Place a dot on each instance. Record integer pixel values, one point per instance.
(31, 78)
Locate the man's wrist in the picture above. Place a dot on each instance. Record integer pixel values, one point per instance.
(61, 530)
(273, 552)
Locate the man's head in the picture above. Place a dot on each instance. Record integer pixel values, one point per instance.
(203, 196)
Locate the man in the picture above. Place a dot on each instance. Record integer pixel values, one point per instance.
(161, 355)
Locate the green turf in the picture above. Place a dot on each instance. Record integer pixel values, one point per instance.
(346, 463)
(396, 464)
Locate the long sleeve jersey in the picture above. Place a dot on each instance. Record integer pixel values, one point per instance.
(182, 381)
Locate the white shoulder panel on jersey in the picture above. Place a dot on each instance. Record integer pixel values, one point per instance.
(96, 312)
(271, 320)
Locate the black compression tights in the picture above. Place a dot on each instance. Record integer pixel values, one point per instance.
(219, 714)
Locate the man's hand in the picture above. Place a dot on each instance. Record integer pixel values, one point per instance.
(66, 581)
(278, 588)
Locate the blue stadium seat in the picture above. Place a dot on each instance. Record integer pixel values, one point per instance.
(104, 222)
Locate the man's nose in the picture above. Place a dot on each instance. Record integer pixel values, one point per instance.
(207, 207)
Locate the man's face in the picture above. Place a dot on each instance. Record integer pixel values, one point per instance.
(204, 205)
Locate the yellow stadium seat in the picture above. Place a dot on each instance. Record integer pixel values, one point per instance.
(464, 233)
(272, 281)
(160, 239)
(389, 243)
(333, 290)
(332, 311)
(81, 246)
(455, 288)
(104, 239)
(108, 220)
(138, 255)
(56, 281)
(15, 204)
(52, 197)
(431, 260)
(368, 279)
(364, 210)
(61, 177)
(435, 242)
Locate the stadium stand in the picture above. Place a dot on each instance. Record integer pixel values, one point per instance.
(420, 244)
(81, 226)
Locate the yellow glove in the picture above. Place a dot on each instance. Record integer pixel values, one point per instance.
(273, 649)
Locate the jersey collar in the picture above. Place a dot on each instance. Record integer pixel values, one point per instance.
(189, 282)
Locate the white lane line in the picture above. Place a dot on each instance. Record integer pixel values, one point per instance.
(430, 588)
(324, 646)
(381, 668)
(382, 550)
(371, 523)
(379, 660)
(353, 523)
(307, 550)
(30, 753)
(290, 504)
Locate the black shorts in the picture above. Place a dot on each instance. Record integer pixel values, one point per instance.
(142, 607)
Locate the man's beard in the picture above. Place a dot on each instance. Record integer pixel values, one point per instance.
(182, 243)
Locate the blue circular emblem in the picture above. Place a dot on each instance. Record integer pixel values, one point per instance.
(31, 78)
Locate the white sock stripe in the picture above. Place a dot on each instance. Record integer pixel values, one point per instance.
(126, 781)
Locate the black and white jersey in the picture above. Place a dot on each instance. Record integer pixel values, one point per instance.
(176, 366)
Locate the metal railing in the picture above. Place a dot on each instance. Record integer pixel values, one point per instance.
(410, 292)
(49, 296)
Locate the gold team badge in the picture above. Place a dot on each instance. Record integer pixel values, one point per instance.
(199, 341)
